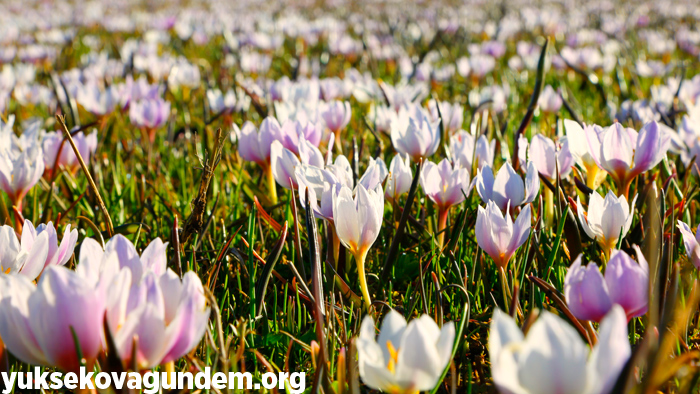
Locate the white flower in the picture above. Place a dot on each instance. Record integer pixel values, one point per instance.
(404, 358)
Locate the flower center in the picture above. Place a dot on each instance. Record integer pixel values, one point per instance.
(393, 357)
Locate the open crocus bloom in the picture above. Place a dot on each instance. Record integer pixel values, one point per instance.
(624, 153)
(498, 236)
(546, 155)
(626, 283)
(606, 219)
(16, 258)
(284, 162)
(147, 301)
(462, 149)
(584, 144)
(413, 134)
(508, 188)
(57, 254)
(691, 243)
(404, 358)
(37, 322)
(253, 144)
(445, 184)
(553, 359)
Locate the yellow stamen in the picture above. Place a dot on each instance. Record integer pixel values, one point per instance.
(394, 357)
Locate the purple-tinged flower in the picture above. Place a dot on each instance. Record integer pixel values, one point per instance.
(413, 134)
(546, 155)
(253, 144)
(27, 259)
(87, 145)
(624, 153)
(57, 254)
(498, 236)
(146, 300)
(549, 101)
(691, 243)
(590, 296)
(336, 115)
(508, 188)
(20, 170)
(150, 114)
(38, 323)
(446, 185)
(284, 162)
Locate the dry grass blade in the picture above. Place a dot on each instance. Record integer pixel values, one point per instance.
(195, 221)
(93, 186)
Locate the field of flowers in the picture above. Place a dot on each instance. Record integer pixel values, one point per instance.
(390, 196)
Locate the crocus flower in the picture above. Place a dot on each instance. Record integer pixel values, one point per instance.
(498, 236)
(606, 219)
(357, 223)
(149, 114)
(381, 116)
(28, 259)
(626, 283)
(691, 243)
(220, 102)
(147, 301)
(336, 115)
(20, 171)
(452, 114)
(413, 134)
(404, 358)
(284, 162)
(96, 100)
(546, 155)
(508, 188)
(400, 177)
(553, 358)
(38, 323)
(292, 129)
(462, 149)
(446, 185)
(549, 101)
(374, 175)
(57, 254)
(624, 153)
(255, 145)
(52, 144)
(584, 145)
